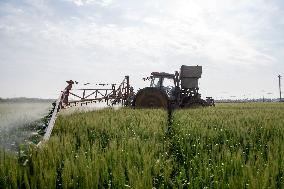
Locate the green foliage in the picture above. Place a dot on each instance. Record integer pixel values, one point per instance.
(100, 149)
(229, 146)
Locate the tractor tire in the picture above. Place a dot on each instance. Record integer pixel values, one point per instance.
(151, 97)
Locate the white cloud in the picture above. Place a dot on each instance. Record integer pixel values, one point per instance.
(190, 32)
(142, 37)
(103, 3)
(185, 28)
(78, 2)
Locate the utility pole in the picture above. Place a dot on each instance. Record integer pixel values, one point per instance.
(279, 76)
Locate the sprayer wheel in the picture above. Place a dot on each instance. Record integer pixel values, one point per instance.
(151, 97)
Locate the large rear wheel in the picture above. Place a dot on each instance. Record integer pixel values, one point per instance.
(151, 97)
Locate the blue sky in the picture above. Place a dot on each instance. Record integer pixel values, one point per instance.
(43, 43)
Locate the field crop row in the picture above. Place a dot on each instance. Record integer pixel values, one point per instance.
(232, 146)
(229, 146)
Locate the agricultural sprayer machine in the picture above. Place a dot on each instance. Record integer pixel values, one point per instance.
(178, 90)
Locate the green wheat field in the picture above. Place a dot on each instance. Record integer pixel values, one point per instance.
(228, 146)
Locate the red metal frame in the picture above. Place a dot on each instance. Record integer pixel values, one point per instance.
(111, 96)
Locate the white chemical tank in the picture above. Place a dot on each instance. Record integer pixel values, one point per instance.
(189, 76)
